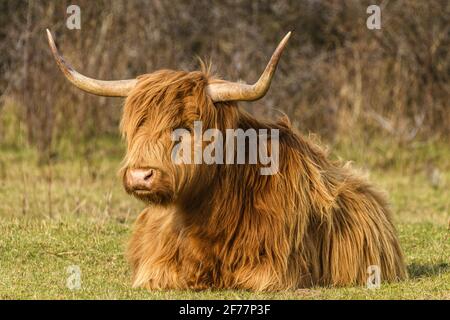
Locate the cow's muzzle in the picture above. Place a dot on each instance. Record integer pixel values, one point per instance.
(139, 180)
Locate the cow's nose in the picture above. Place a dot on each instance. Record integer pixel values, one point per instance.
(140, 179)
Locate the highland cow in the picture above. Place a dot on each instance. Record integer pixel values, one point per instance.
(316, 222)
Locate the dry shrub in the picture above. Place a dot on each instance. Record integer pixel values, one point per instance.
(337, 78)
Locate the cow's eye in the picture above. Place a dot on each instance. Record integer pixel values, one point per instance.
(140, 123)
(186, 127)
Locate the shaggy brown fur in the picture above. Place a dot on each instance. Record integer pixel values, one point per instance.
(316, 222)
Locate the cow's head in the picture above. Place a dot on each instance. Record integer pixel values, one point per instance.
(159, 103)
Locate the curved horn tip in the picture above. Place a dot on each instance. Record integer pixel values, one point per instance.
(51, 41)
(285, 39)
(118, 88)
(230, 91)
(49, 35)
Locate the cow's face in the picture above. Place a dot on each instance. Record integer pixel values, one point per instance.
(156, 105)
(161, 103)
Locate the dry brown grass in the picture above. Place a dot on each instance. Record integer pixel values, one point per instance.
(337, 78)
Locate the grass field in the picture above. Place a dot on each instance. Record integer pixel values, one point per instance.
(74, 212)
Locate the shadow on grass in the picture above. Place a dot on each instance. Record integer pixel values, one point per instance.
(426, 270)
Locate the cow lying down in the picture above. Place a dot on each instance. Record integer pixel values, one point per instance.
(221, 222)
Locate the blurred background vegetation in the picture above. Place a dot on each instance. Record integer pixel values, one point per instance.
(337, 78)
(379, 97)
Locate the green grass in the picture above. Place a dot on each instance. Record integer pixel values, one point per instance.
(75, 212)
(36, 255)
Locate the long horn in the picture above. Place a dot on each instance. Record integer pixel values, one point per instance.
(232, 91)
(119, 88)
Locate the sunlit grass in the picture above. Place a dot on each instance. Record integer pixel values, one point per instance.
(74, 212)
